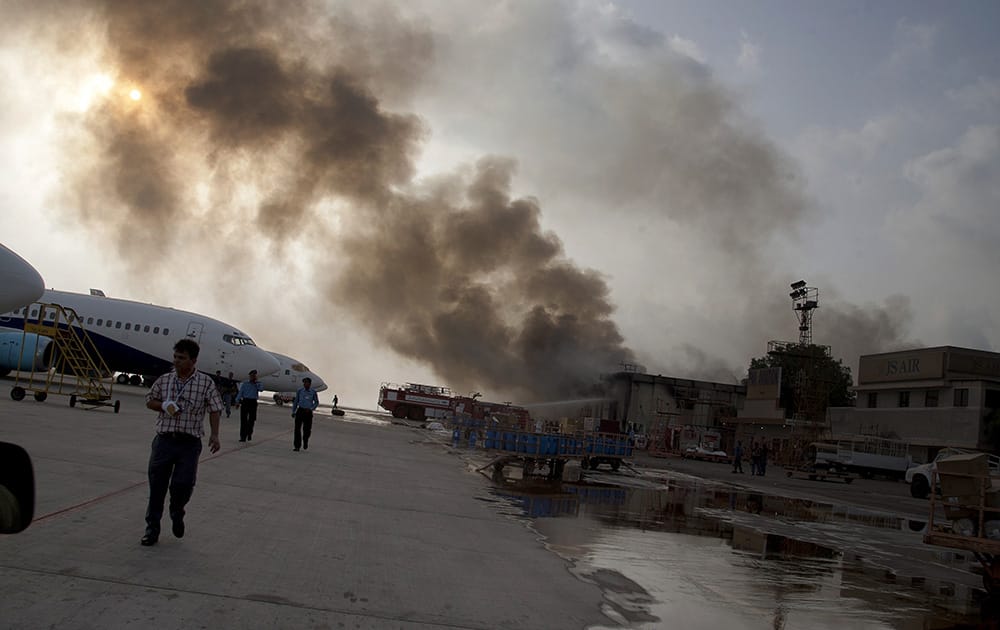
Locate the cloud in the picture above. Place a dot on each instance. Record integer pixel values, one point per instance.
(749, 57)
(688, 48)
(947, 238)
(981, 96)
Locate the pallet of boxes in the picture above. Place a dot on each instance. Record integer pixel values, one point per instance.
(970, 495)
(970, 503)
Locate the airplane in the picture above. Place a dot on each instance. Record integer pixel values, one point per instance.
(20, 283)
(132, 337)
(288, 378)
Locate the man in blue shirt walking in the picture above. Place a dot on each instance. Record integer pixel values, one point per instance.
(306, 401)
(246, 400)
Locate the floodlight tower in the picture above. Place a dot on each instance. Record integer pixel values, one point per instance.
(804, 301)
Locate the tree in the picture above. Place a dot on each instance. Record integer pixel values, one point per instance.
(811, 380)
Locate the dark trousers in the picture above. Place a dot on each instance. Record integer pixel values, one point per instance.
(248, 417)
(173, 465)
(303, 427)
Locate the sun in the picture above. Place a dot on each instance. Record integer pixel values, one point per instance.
(135, 95)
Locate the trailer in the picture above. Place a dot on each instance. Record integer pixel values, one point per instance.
(970, 506)
(536, 451)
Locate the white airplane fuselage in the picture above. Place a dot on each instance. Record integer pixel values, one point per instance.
(287, 379)
(139, 338)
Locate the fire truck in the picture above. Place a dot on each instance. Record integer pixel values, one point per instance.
(413, 401)
(420, 402)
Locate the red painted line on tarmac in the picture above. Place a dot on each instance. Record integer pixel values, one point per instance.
(135, 485)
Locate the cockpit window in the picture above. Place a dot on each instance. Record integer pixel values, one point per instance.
(238, 340)
(298, 367)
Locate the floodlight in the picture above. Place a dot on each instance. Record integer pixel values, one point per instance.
(798, 285)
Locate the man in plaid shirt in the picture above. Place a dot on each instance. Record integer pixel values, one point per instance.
(181, 397)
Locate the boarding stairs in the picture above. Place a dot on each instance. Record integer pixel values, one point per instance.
(74, 355)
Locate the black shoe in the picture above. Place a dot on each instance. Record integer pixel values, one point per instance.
(242, 440)
(249, 437)
(305, 447)
(148, 540)
(178, 527)
(296, 450)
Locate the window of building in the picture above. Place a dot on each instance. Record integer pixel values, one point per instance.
(872, 400)
(904, 399)
(962, 397)
(931, 398)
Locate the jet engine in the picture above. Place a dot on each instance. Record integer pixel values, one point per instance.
(25, 352)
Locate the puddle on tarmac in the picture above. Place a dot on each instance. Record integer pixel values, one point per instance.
(694, 554)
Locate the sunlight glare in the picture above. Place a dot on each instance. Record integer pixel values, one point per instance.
(96, 86)
(135, 95)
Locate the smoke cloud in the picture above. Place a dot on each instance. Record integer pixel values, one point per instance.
(260, 121)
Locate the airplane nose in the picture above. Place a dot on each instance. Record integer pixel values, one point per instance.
(261, 361)
(318, 384)
(22, 283)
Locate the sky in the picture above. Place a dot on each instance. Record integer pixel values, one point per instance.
(514, 197)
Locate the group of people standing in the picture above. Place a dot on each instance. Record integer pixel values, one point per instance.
(181, 399)
(758, 457)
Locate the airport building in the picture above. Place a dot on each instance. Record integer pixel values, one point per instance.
(675, 412)
(930, 397)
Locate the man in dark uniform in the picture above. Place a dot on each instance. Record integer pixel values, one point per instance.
(181, 397)
(246, 400)
(306, 401)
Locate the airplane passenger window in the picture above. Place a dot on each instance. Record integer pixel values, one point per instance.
(90, 320)
(118, 324)
(156, 330)
(100, 322)
(145, 328)
(108, 324)
(287, 372)
(136, 326)
(166, 331)
(128, 326)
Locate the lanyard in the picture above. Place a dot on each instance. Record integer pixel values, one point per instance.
(180, 388)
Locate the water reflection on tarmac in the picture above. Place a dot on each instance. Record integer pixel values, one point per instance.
(680, 552)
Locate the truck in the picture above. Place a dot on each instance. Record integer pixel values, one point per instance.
(919, 477)
(415, 401)
(418, 402)
(871, 455)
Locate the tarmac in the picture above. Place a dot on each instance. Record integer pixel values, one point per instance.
(375, 526)
(385, 524)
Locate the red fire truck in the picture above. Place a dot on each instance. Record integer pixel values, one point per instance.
(413, 400)
(419, 402)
